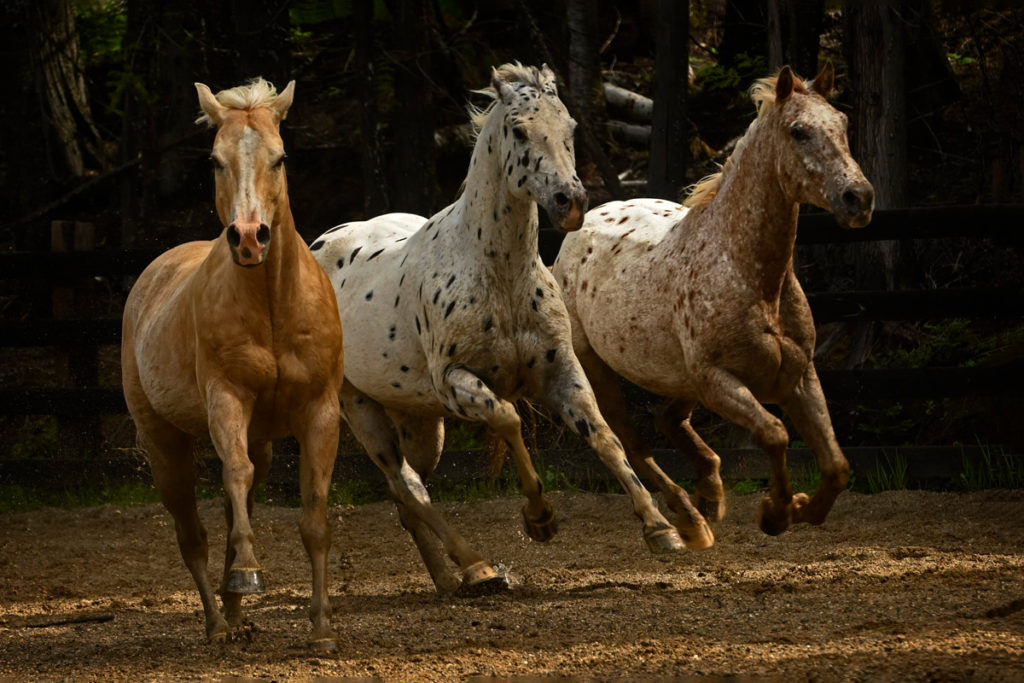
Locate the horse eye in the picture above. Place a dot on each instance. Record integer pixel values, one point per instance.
(216, 163)
(519, 132)
(799, 133)
(280, 162)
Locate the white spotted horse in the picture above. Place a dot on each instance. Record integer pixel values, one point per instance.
(238, 339)
(456, 316)
(703, 306)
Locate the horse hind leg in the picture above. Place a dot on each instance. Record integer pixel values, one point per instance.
(174, 474)
(607, 390)
(475, 401)
(673, 420)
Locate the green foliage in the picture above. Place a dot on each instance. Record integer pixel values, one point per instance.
(101, 27)
(732, 78)
(890, 475)
(960, 60)
(36, 436)
(999, 470)
(17, 498)
(351, 493)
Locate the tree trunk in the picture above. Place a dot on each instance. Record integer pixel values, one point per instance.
(63, 86)
(794, 30)
(416, 189)
(666, 173)
(585, 82)
(375, 193)
(876, 54)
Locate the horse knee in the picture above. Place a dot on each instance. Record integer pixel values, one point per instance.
(772, 436)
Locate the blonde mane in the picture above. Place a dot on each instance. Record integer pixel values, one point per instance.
(762, 94)
(253, 95)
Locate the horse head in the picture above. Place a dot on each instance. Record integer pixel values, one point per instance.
(248, 161)
(813, 156)
(537, 146)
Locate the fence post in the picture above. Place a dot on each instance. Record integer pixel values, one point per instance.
(78, 436)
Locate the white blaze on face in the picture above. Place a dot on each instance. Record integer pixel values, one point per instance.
(248, 215)
(247, 207)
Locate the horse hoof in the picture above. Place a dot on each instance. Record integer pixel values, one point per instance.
(665, 540)
(774, 520)
(482, 579)
(245, 581)
(711, 510)
(323, 645)
(543, 528)
(699, 537)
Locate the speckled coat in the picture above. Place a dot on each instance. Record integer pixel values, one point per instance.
(457, 316)
(705, 307)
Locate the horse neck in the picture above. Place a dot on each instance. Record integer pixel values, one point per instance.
(507, 224)
(750, 220)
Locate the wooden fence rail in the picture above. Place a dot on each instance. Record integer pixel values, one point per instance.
(1002, 224)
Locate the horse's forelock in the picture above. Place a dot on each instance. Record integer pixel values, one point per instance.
(253, 95)
(762, 93)
(512, 72)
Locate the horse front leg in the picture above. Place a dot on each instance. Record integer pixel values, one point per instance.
(807, 408)
(474, 400)
(567, 391)
(318, 448)
(229, 421)
(723, 393)
(260, 456)
(607, 390)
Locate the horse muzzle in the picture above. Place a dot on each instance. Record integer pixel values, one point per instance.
(248, 242)
(567, 209)
(854, 205)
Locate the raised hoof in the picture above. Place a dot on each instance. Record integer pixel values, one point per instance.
(325, 645)
(774, 520)
(711, 510)
(542, 529)
(482, 579)
(665, 540)
(245, 581)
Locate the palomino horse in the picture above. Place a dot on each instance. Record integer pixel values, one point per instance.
(457, 316)
(239, 339)
(705, 307)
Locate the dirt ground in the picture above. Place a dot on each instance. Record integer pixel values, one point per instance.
(895, 586)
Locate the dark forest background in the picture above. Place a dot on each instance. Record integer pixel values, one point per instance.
(97, 125)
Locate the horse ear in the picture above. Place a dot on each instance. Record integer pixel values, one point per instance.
(825, 81)
(505, 93)
(213, 109)
(548, 78)
(784, 84)
(284, 101)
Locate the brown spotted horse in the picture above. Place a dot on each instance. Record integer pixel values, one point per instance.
(704, 307)
(239, 339)
(456, 316)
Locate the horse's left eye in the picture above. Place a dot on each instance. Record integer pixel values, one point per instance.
(280, 162)
(799, 133)
(519, 132)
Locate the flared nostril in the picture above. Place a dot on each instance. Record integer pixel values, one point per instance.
(263, 234)
(234, 237)
(561, 199)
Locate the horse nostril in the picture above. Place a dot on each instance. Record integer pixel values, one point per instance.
(263, 234)
(851, 199)
(234, 237)
(561, 199)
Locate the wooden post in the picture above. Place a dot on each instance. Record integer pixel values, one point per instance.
(78, 436)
